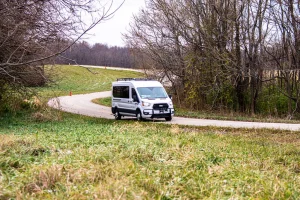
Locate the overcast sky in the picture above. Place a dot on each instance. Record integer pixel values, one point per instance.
(110, 32)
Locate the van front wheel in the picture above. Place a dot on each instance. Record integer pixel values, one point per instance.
(168, 118)
(117, 114)
(139, 115)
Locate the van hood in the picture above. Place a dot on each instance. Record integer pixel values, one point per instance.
(158, 101)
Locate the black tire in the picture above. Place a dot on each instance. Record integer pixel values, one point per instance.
(139, 116)
(168, 118)
(117, 114)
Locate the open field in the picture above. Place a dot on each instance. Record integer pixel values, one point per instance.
(54, 155)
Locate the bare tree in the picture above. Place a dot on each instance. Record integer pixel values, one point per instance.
(218, 53)
(32, 32)
(285, 50)
(188, 41)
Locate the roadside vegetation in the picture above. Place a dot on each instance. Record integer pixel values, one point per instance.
(183, 112)
(55, 155)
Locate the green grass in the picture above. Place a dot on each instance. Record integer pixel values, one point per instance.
(80, 80)
(103, 101)
(81, 157)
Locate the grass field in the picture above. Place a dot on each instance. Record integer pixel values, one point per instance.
(54, 155)
(87, 158)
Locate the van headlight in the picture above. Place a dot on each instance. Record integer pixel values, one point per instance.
(170, 103)
(146, 104)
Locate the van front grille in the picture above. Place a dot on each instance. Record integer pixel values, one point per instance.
(160, 106)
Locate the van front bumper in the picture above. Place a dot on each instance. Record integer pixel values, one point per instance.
(151, 113)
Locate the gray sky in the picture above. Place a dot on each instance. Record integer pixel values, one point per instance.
(110, 32)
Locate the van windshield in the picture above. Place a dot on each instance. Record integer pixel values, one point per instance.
(152, 92)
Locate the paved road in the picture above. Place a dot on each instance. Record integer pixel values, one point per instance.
(81, 104)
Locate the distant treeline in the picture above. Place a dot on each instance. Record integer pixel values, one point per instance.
(83, 53)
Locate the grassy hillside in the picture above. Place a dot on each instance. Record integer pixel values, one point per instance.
(81, 80)
(53, 155)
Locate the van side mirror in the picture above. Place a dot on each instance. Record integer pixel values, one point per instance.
(170, 96)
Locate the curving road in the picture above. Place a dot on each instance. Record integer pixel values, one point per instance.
(83, 105)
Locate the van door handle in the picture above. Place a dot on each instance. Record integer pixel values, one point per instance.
(129, 101)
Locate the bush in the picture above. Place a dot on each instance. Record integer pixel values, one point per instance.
(14, 98)
(272, 102)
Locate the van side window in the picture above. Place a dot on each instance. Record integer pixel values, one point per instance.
(121, 91)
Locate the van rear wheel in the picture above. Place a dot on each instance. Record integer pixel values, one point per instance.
(117, 114)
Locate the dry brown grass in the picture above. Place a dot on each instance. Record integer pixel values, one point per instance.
(45, 114)
(45, 179)
(11, 141)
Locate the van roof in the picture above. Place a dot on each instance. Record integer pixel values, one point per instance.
(140, 82)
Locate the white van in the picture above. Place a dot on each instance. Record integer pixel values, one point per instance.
(141, 98)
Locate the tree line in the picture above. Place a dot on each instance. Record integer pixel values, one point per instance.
(229, 55)
(83, 53)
